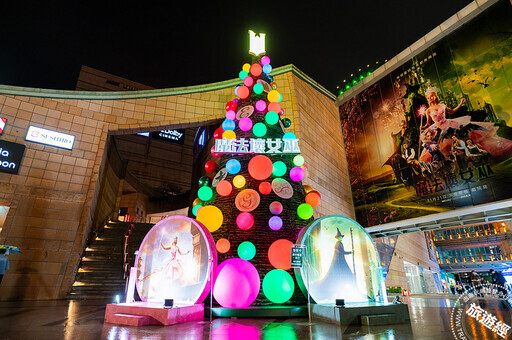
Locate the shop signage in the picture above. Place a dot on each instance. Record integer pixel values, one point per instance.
(49, 137)
(175, 136)
(3, 121)
(257, 145)
(11, 155)
(297, 260)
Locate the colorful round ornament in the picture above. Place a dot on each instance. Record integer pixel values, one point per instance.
(247, 200)
(282, 188)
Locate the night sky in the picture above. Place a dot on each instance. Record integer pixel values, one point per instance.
(44, 43)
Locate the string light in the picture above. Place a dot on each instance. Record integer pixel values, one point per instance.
(357, 78)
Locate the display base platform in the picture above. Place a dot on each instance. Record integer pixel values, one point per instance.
(151, 313)
(370, 314)
(258, 312)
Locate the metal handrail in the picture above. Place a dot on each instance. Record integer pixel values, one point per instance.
(126, 245)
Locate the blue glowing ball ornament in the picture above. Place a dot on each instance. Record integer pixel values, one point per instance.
(228, 124)
(289, 135)
(233, 166)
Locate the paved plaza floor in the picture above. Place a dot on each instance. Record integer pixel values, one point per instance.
(430, 319)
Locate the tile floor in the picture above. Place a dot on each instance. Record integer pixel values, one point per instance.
(430, 319)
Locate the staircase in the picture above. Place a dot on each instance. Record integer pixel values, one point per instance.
(100, 275)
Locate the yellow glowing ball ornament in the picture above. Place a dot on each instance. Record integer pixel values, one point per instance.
(211, 217)
(229, 134)
(246, 67)
(239, 181)
(273, 96)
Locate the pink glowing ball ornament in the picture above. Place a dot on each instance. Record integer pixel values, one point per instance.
(275, 223)
(297, 174)
(265, 60)
(237, 283)
(260, 105)
(245, 124)
(231, 115)
(245, 220)
(276, 208)
(248, 81)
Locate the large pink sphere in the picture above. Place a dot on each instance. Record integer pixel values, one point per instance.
(237, 283)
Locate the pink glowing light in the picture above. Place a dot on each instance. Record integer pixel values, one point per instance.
(297, 174)
(245, 124)
(237, 283)
(260, 105)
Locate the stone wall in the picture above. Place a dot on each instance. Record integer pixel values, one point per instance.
(411, 247)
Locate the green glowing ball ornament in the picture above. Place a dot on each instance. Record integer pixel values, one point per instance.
(298, 160)
(258, 88)
(205, 193)
(279, 169)
(242, 74)
(246, 250)
(278, 286)
(196, 208)
(271, 118)
(259, 129)
(305, 211)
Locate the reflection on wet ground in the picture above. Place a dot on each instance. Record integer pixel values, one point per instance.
(430, 319)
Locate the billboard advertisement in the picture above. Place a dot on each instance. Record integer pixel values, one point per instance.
(436, 133)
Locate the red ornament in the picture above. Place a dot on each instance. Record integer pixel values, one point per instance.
(265, 188)
(210, 167)
(231, 106)
(215, 154)
(218, 133)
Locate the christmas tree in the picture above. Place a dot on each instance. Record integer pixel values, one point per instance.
(255, 204)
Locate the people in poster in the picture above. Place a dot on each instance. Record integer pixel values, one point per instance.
(174, 268)
(337, 272)
(459, 150)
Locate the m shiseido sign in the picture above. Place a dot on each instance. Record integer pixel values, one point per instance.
(49, 137)
(11, 155)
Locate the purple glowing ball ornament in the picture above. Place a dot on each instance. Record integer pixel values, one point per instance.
(275, 223)
(237, 283)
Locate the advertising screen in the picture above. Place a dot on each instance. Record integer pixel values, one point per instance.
(341, 262)
(175, 261)
(436, 133)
